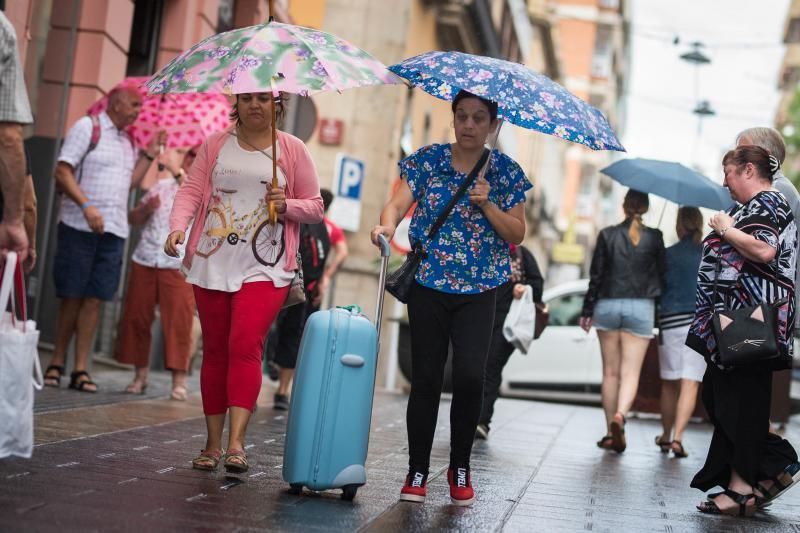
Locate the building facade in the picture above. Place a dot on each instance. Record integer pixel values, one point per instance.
(75, 51)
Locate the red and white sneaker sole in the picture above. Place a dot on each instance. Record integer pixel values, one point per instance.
(462, 503)
(416, 498)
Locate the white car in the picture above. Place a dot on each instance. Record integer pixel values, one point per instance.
(564, 363)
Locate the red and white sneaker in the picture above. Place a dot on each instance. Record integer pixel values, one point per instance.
(461, 492)
(415, 488)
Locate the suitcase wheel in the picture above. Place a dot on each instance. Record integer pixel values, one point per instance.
(349, 492)
(295, 489)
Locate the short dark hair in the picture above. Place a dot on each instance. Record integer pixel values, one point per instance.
(490, 106)
(280, 111)
(327, 198)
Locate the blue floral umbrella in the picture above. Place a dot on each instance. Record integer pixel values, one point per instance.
(523, 97)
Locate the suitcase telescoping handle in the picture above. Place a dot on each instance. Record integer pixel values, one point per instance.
(385, 252)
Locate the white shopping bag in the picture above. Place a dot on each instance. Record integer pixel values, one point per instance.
(20, 370)
(520, 321)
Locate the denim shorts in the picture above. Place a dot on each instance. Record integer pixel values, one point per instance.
(634, 315)
(87, 264)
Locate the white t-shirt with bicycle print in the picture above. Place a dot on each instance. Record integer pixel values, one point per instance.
(238, 244)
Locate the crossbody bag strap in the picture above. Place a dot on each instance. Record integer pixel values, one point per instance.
(457, 196)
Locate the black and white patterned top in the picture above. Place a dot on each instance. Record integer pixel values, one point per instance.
(744, 283)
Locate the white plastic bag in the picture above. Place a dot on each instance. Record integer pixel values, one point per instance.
(20, 370)
(520, 321)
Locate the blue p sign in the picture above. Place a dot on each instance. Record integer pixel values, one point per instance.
(351, 175)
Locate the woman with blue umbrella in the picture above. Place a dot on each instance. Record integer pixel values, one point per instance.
(453, 297)
(454, 293)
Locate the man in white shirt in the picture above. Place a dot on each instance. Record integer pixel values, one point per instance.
(95, 183)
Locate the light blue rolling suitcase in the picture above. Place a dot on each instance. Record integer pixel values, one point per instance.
(331, 406)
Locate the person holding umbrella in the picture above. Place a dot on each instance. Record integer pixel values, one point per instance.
(453, 297)
(626, 277)
(241, 278)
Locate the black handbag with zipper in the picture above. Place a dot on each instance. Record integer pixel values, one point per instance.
(399, 282)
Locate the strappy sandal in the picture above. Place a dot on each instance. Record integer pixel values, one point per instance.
(605, 442)
(780, 483)
(136, 387)
(207, 460)
(678, 452)
(664, 445)
(179, 393)
(760, 502)
(81, 385)
(744, 510)
(618, 433)
(53, 381)
(236, 462)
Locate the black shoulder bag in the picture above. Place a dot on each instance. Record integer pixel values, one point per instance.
(749, 335)
(399, 282)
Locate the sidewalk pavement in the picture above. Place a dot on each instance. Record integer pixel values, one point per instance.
(125, 466)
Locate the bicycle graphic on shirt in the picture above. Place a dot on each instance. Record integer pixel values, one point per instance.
(222, 226)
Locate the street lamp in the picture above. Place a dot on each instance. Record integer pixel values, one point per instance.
(704, 109)
(696, 56)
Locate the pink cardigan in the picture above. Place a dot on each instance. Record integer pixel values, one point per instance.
(303, 201)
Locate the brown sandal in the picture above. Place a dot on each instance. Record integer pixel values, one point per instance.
(677, 449)
(664, 445)
(207, 460)
(605, 442)
(236, 462)
(617, 428)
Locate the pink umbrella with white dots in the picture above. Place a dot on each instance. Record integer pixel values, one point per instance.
(188, 118)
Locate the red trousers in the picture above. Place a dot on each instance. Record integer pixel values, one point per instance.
(148, 287)
(234, 327)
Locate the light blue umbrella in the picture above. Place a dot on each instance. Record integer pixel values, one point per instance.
(669, 180)
(524, 97)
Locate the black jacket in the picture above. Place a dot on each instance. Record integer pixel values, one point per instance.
(622, 270)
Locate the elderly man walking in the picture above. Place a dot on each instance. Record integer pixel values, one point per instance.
(14, 112)
(97, 168)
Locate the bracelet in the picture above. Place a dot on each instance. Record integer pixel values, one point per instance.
(723, 231)
(147, 156)
(86, 204)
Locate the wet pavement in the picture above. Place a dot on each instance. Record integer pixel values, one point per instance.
(124, 464)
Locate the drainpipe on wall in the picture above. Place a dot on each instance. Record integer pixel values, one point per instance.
(62, 118)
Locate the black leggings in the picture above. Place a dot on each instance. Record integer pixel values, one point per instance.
(436, 319)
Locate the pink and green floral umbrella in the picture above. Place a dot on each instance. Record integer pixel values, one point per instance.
(187, 118)
(271, 56)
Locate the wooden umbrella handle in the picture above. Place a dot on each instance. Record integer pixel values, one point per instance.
(273, 213)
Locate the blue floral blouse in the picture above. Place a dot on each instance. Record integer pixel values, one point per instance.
(467, 256)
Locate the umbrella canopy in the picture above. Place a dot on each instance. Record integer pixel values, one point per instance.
(669, 180)
(524, 97)
(187, 118)
(271, 56)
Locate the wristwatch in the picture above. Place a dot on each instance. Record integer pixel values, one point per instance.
(723, 231)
